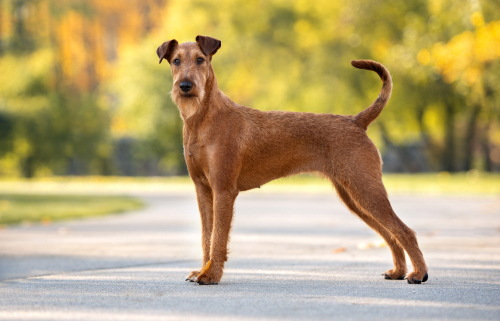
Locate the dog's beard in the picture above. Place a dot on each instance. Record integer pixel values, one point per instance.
(188, 105)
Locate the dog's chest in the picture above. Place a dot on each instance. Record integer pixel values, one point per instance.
(196, 155)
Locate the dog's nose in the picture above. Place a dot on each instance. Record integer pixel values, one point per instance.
(186, 86)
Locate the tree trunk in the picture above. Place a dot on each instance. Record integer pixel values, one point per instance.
(28, 167)
(469, 138)
(485, 144)
(449, 148)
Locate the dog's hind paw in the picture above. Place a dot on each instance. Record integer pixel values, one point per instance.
(412, 279)
(207, 280)
(394, 275)
(388, 277)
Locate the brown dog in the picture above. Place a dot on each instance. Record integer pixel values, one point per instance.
(231, 148)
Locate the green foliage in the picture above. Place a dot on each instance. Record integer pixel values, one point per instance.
(17, 208)
(79, 96)
(47, 128)
(145, 112)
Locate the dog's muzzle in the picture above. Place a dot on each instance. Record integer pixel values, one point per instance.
(186, 86)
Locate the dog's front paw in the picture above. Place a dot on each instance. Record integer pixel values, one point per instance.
(209, 274)
(209, 279)
(394, 275)
(193, 276)
(417, 277)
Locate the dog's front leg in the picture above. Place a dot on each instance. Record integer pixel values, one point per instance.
(223, 215)
(204, 196)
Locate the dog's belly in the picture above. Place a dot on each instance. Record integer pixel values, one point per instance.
(264, 170)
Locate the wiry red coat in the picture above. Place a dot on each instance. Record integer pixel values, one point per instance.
(231, 148)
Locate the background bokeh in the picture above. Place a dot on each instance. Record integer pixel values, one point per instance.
(81, 91)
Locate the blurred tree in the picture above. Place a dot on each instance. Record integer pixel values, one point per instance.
(295, 55)
(53, 56)
(144, 112)
(81, 92)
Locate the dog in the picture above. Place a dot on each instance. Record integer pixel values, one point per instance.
(231, 148)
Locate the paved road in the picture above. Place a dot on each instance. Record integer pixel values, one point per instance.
(282, 266)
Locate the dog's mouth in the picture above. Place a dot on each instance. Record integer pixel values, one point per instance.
(192, 92)
(188, 94)
(179, 94)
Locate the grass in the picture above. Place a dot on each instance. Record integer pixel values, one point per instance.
(18, 208)
(470, 183)
(444, 183)
(59, 198)
(45, 202)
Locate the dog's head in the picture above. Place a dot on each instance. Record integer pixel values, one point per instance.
(191, 66)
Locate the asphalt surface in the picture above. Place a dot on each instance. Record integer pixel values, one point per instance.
(293, 257)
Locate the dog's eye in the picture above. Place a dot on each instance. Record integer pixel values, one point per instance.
(200, 60)
(177, 62)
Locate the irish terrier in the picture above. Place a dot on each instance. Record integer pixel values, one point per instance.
(231, 148)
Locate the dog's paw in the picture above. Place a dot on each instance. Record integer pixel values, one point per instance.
(394, 275)
(417, 278)
(193, 276)
(209, 274)
(208, 279)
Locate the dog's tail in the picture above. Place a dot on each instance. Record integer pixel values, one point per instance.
(368, 115)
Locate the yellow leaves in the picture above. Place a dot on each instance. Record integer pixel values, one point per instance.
(435, 6)
(302, 26)
(72, 50)
(242, 85)
(176, 25)
(317, 9)
(381, 49)
(307, 37)
(464, 56)
(477, 19)
(454, 57)
(23, 80)
(118, 126)
(33, 14)
(472, 75)
(487, 44)
(424, 57)
(85, 41)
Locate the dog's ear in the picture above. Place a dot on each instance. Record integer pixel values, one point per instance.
(166, 49)
(208, 45)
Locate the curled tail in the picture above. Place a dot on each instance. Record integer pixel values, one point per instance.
(368, 115)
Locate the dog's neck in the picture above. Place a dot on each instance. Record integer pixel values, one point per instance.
(194, 110)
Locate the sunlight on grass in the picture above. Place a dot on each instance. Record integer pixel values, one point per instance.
(46, 208)
(470, 183)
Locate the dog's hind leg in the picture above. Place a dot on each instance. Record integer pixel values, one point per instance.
(398, 254)
(368, 193)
